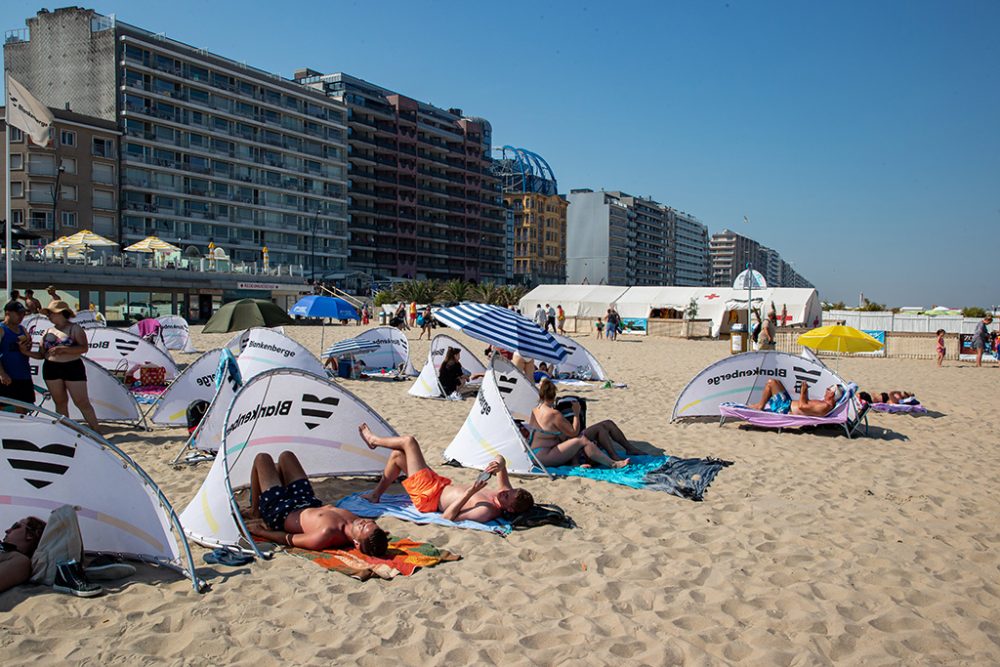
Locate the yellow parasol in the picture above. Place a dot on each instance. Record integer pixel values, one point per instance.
(152, 244)
(89, 239)
(839, 338)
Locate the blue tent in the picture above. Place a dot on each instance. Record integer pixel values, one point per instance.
(324, 306)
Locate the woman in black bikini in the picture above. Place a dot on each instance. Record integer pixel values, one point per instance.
(63, 370)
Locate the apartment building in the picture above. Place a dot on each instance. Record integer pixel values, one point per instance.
(423, 200)
(650, 256)
(70, 185)
(600, 239)
(689, 249)
(730, 252)
(212, 149)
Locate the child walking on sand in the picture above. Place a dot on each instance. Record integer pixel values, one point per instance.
(599, 325)
(940, 346)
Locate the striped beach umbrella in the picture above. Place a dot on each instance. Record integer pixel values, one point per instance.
(350, 346)
(503, 328)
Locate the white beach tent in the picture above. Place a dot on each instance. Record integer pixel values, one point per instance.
(112, 400)
(490, 428)
(393, 352)
(427, 385)
(117, 348)
(175, 332)
(282, 410)
(740, 378)
(50, 461)
(266, 349)
(579, 362)
(590, 301)
(90, 319)
(239, 340)
(196, 382)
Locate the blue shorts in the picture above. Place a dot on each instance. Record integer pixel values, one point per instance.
(779, 403)
(279, 501)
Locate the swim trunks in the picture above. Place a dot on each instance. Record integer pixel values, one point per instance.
(279, 501)
(425, 487)
(779, 403)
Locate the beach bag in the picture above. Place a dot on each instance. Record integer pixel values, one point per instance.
(195, 412)
(121, 371)
(152, 376)
(542, 515)
(565, 407)
(420, 320)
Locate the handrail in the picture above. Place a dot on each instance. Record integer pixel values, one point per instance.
(337, 292)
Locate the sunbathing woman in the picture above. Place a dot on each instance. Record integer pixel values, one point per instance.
(894, 397)
(556, 441)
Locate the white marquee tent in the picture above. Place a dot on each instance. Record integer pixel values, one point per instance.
(426, 385)
(282, 410)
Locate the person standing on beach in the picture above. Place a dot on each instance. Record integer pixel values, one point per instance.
(981, 338)
(15, 348)
(63, 371)
(940, 347)
(561, 319)
(768, 331)
(33, 305)
(550, 318)
(413, 314)
(539, 317)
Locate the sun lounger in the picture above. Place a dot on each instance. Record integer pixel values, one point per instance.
(839, 416)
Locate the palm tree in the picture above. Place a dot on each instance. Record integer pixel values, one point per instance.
(489, 293)
(456, 291)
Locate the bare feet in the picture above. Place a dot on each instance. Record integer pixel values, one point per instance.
(620, 464)
(371, 496)
(367, 436)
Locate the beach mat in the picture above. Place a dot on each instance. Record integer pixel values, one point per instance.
(894, 408)
(400, 506)
(685, 478)
(403, 558)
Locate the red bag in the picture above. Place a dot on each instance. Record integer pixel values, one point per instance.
(152, 376)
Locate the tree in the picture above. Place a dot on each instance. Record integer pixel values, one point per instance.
(455, 291)
(691, 311)
(512, 294)
(489, 293)
(872, 306)
(973, 311)
(837, 305)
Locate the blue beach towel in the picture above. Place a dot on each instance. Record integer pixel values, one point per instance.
(685, 478)
(400, 506)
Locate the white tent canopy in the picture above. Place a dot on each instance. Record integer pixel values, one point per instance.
(37, 324)
(239, 340)
(393, 352)
(110, 347)
(579, 362)
(490, 428)
(741, 378)
(196, 382)
(51, 461)
(112, 400)
(282, 410)
(803, 306)
(175, 332)
(427, 385)
(267, 349)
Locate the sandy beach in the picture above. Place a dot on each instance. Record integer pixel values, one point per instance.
(812, 549)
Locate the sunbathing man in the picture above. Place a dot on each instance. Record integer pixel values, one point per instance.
(431, 492)
(288, 512)
(776, 399)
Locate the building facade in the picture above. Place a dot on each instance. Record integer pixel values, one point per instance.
(212, 150)
(648, 253)
(730, 252)
(689, 246)
(423, 200)
(80, 165)
(600, 234)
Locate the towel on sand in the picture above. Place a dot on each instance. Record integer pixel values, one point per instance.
(686, 478)
(914, 409)
(400, 506)
(403, 558)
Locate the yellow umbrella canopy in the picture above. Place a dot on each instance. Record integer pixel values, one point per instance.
(88, 238)
(152, 244)
(839, 338)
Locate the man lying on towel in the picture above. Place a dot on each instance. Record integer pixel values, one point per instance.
(430, 492)
(287, 511)
(776, 399)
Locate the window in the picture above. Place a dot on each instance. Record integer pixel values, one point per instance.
(41, 165)
(104, 225)
(104, 199)
(68, 192)
(68, 218)
(67, 138)
(40, 193)
(16, 161)
(68, 164)
(40, 220)
(103, 147)
(16, 135)
(17, 189)
(103, 173)
(17, 216)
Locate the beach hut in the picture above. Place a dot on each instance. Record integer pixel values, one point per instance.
(281, 410)
(51, 461)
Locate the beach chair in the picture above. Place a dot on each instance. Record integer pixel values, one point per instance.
(839, 416)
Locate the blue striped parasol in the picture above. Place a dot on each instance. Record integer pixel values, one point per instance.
(350, 346)
(503, 328)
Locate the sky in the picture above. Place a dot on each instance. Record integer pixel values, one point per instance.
(860, 139)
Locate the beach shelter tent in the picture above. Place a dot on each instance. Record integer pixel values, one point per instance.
(426, 385)
(36, 325)
(579, 361)
(490, 428)
(51, 461)
(196, 382)
(112, 400)
(90, 319)
(393, 352)
(740, 378)
(266, 349)
(239, 341)
(175, 332)
(282, 410)
(207, 437)
(117, 348)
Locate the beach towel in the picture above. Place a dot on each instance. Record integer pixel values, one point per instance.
(685, 478)
(400, 506)
(913, 409)
(403, 558)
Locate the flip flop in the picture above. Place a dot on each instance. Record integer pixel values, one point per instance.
(226, 557)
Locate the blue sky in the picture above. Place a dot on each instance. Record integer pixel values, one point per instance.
(860, 138)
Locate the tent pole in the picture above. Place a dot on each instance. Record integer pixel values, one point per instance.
(8, 234)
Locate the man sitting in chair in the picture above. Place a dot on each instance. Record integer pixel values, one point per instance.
(430, 492)
(285, 510)
(776, 399)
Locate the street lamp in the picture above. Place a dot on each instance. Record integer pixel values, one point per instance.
(55, 201)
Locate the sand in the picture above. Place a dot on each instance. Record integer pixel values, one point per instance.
(811, 549)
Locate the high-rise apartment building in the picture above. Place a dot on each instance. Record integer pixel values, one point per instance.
(730, 252)
(423, 200)
(600, 239)
(72, 181)
(649, 250)
(689, 246)
(212, 149)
